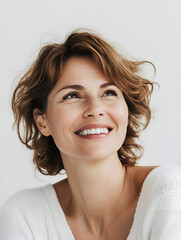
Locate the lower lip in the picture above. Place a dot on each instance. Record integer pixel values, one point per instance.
(94, 136)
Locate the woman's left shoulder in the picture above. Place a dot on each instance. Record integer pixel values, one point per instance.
(158, 178)
(159, 206)
(163, 183)
(164, 175)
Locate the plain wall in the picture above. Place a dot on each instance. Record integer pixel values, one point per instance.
(147, 30)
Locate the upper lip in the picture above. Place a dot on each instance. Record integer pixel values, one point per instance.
(90, 126)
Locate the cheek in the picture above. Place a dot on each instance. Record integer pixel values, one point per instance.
(120, 113)
(61, 123)
(62, 119)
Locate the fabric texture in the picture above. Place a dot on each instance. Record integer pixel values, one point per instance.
(35, 214)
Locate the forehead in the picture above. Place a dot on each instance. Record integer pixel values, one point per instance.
(79, 63)
(79, 70)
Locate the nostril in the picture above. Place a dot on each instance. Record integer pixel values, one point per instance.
(90, 115)
(94, 114)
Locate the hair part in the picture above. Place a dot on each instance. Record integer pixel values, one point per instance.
(34, 87)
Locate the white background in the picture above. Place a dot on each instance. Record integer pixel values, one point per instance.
(144, 29)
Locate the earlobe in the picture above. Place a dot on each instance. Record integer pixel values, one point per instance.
(41, 122)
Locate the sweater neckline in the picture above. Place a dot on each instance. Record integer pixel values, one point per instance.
(58, 214)
(60, 218)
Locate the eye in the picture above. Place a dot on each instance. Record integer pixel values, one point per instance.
(110, 93)
(71, 95)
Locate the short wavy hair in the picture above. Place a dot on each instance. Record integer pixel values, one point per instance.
(34, 87)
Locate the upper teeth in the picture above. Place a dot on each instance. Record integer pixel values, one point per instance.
(93, 131)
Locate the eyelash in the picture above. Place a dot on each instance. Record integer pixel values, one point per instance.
(111, 91)
(69, 95)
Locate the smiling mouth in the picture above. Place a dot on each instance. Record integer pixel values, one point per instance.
(93, 131)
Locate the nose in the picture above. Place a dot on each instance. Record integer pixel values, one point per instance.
(94, 109)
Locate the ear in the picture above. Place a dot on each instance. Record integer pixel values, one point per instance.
(41, 122)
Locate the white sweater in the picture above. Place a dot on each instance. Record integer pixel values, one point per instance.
(36, 214)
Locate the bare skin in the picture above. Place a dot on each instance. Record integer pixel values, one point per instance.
(99, 197)
(119, 223)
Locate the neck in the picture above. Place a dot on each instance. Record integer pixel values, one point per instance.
(97, 190)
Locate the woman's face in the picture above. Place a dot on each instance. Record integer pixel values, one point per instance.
(86, 115)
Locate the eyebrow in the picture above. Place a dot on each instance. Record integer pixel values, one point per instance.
(80, 87)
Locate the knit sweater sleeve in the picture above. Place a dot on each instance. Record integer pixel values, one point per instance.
(158, 213)
(33, 214)
(166, 223)
(21, 216)
(10, 229)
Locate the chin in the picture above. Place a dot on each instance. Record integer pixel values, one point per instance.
(98, 155)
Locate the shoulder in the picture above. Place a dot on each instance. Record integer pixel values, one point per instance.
(25, 202)
(158, 183)
(25, 197)
(165, 177)
(156, 176)
(162, 187)
(158, 209)
(23, 212)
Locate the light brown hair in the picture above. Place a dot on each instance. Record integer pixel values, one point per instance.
(34, 87)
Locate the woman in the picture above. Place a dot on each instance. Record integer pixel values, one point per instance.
(83, 106)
